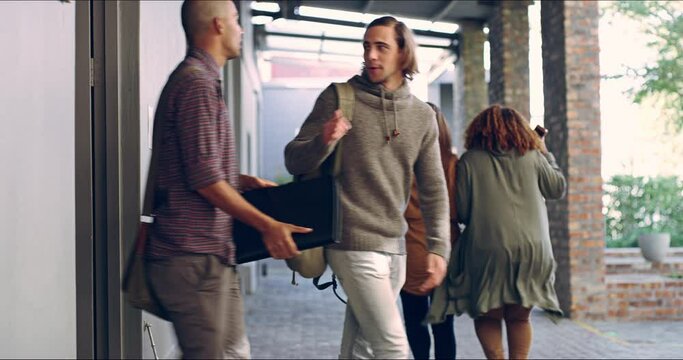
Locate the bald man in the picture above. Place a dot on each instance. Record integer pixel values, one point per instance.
(190, 254)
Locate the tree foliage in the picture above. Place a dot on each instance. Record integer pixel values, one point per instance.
(635, 205)
(663, 80)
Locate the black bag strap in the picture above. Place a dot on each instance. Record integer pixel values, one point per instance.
(148, 203)
(323, 286)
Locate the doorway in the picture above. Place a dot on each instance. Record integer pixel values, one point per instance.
(107, 166)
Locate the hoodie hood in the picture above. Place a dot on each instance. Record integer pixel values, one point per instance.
(361, 82)
(390, 102)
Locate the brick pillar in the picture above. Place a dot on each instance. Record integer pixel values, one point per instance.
(469, 84)
(509, 39)
(571, 84)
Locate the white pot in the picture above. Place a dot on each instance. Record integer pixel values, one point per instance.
(654, 246)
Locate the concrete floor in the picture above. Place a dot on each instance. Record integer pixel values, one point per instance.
(300, 322)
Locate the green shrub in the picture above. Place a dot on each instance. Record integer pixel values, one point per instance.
(634, 205)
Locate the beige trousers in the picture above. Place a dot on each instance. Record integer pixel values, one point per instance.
(204, 302)
(373, 327)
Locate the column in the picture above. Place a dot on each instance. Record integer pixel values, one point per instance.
(509, 40)
(571, 83)
(469, 85)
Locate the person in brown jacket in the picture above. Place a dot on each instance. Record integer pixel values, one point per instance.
(415, 295)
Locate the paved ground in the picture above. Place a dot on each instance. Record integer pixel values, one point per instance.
(300, 322)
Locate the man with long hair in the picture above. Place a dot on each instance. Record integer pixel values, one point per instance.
(393, 135)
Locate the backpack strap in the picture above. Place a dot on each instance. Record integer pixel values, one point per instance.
(346, 99)
(323, 286)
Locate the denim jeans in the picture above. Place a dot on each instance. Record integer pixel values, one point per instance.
(415, 309)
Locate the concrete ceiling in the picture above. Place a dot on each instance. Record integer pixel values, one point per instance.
(447, 11)
(443, 11)
(432, 10)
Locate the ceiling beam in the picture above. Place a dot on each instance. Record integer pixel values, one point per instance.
(334, 38)
(350, 23)
(368, 5)
(444, 11)
(286, 9)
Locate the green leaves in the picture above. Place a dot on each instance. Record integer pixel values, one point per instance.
(634, 205)
(663, 80)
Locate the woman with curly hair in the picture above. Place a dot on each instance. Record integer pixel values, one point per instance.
(503, 263)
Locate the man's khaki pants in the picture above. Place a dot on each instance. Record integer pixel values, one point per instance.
(204, 303)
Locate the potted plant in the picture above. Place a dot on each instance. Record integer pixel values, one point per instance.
(645, 212)
(654, 246)
(659, 206)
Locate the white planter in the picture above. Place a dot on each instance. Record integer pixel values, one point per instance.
(654, 246)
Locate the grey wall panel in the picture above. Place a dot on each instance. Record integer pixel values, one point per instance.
(284, 110)
(162, 47)
(37, 211)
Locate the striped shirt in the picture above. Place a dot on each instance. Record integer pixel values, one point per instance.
(197, 150)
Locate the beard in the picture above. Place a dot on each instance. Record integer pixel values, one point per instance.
(380, 80)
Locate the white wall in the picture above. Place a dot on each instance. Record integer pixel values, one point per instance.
(243, 104)
(249, 96)
(162, 47)
(284, 110)
(37, 195)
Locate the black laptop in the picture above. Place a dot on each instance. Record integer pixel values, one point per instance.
(311, 203)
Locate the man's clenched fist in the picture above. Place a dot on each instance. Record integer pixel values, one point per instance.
(336, 127)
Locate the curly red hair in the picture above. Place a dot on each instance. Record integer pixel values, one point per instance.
(501, 128)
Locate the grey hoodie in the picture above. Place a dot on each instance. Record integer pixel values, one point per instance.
(376, 174)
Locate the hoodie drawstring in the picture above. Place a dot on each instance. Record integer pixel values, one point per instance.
(395, 133)
(384, 113)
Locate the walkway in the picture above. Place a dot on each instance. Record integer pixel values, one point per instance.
(288, 322)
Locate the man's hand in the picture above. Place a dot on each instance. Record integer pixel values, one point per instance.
(436, 268)
(336, 127)
(248, 182)
(277, 237)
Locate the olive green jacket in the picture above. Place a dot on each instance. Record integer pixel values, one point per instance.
(504, 255)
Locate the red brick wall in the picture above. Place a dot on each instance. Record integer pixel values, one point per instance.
(645, 297)
(472, 57)
(469, 87)
(571, 82)
(509, 40)
(640, 290)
